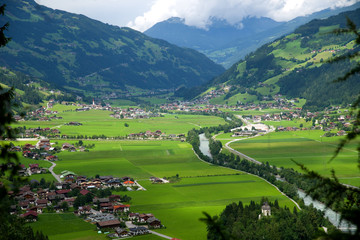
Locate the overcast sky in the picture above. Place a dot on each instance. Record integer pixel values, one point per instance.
(142, 14)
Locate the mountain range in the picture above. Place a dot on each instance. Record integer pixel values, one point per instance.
(87, 56)
(296, 66)
(225, 43)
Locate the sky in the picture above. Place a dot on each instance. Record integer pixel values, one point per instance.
(143, 14)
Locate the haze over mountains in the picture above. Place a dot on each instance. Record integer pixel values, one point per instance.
(225, 43)
(80, 54)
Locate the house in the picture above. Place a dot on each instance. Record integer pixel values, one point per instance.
(138, 231)
(122, 208)
(122, 232)
(41, 194)
(63, 191)
(128, 183)
(34, 168)
(84, 210)
(144, 217)
(154, 222)
(108, 224)
(42, 203)
(30, 216)
(114, 198)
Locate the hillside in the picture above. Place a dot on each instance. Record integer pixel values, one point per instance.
(30, 91)
(226, 44)
(296, 66)
(87, 56)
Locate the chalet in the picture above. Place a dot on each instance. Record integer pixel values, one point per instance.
(154, 222)
(24, 204)
(114, 198)
(101, 200)
(129, 183)
(108, 224)
(36, 209)
(120, 232)
(106, 207)
(43, 143)
(41, 194)
(30, 216)
(138, 231)
(144, 217)
(63, 191)
(121, 208)
(34, 169)
(84, 210)
(68, 147)
(42, 202)
(70, 201)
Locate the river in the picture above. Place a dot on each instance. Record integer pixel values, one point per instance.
(333, 217)
(204, 145)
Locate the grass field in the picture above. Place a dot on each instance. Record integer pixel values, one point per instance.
(306, 147)
(66, 226)
(203, 187)
(98, 122)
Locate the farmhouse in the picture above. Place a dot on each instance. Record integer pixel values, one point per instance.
(109, 224)
(30, 216)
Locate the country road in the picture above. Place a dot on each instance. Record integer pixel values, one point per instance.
(51, 169)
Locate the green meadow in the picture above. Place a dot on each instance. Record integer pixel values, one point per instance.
(98, 122)
(305, 147)
(66, 226)
(203, 187)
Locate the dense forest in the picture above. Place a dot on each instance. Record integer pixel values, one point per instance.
(239, 221)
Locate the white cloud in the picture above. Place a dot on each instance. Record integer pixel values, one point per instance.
(116, 12)
(198, 12)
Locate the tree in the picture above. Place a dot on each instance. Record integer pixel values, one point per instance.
(341, 198)
(11, 227)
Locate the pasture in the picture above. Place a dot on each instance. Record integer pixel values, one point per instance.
(66, 226)
(306, 147)
(203, 187)
(99, 122)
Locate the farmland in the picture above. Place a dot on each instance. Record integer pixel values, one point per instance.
(178, 205)
(94, 120)
(306, 147)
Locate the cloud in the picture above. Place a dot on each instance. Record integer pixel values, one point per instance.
(199, 12)
(116, 12)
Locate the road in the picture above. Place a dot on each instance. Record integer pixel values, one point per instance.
(51, 169)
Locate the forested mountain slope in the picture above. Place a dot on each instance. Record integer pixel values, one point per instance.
(82, 54)
(225, 43)
(296, 66)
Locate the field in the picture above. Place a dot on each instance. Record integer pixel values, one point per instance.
(306, 147)
(203, 187)
(66, 226)
(98, 122)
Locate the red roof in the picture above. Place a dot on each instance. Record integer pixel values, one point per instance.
(63, 191)
(84, 192)
(30, 213)
(129, 182)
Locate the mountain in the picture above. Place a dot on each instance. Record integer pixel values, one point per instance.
(296, 66)
(87, 56)
(225, 43)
